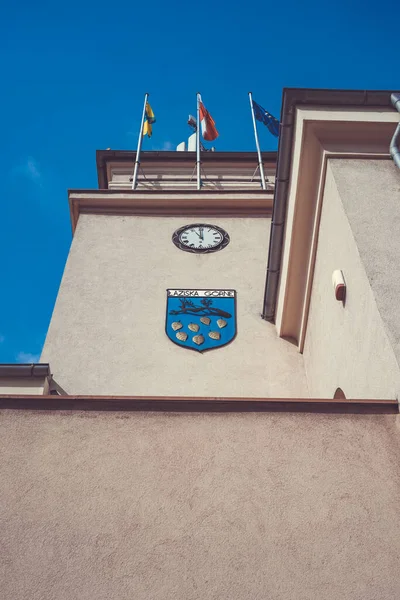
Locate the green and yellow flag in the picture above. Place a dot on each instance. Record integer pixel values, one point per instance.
(149, 119)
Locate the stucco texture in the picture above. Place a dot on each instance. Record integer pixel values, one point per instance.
(370, 193)
(224, 507)
(107, 333)
(347, 344)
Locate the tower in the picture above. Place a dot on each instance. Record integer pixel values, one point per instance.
(128, 250)
(260, 461)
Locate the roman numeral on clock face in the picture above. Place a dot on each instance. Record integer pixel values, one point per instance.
(201, 238)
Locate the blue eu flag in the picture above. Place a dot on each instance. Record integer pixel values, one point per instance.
(265, 117)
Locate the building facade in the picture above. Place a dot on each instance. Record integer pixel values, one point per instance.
(258, 456)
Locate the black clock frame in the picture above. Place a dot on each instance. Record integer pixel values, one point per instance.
(225, 239)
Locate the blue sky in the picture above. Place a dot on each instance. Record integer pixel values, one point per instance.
(74, 75)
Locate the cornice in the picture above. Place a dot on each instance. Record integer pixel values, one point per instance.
(183, 203)
(198, 404)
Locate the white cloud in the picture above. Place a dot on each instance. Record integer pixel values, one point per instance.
(27, 357)
(164, 146)
(32, 169)
(2, 338)
(154, 147)
(29, 168)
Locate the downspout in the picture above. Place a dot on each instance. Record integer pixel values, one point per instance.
(279, 212)
(394, 144)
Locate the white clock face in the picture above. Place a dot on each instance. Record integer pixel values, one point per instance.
(200, 238)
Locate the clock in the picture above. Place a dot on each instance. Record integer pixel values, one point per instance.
(201, 238)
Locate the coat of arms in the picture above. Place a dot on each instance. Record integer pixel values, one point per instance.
(201, 319)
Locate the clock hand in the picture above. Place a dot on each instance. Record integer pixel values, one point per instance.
(201, 233)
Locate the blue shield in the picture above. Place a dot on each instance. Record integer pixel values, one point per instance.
(201, 319)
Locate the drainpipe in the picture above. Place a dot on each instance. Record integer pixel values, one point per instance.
(279, 211)
(25, 370)
(394, 144)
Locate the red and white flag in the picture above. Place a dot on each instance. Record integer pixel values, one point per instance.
(208, 129)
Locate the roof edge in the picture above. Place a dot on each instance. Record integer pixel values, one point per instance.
(198, 404)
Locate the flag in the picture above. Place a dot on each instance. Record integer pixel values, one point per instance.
(192, 122)
(149, 119)
(265, 117)
(208, 129)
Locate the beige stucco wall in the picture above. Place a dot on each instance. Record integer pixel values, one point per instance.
(347, 345)
(225, 507)
(107, 334)
(370, 193)
(30, 385)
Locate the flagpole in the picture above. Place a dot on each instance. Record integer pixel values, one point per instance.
(260, 164)
(139, 146)
(198, 164)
